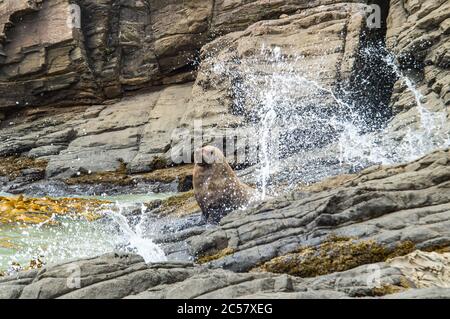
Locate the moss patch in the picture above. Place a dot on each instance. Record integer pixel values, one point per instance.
(13, 166)
(39, 210)
(207, 258)
(181, 174)
(117, 177)
(120, 177)
(333, 255)
(179, 205)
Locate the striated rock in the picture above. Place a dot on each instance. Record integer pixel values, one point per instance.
(96, 50)
(39, 65)
(418, 36)
(137, 44)
(236, 15)
(425, 269)
(128, 45)
(329, 243)
(386, 205)
(127, 276)
(135, 131)
(225, 94)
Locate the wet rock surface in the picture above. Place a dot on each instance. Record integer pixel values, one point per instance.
(418, 34)
(384, 232)
(127, 276)
(122, 88)
(388, 205)
(142, 131)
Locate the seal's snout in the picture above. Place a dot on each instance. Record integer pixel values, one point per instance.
(198, 157)
(206, 156)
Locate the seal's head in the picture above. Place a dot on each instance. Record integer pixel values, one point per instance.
(208, 156)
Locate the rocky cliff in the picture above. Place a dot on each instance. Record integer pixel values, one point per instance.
(59, 88)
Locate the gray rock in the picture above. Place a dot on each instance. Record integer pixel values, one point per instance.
(391, 205)
(126, 276)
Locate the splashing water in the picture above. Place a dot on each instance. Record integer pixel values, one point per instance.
(72, 238)
(295, 113)
(290, 112)
(75, 238)
(136, 241)
(429, 121)
(387, 148)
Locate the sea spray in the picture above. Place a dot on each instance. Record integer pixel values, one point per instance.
(292, 108)
(384, 146)
(73, 238)
(135, 240)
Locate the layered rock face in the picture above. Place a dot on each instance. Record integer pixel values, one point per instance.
(43, 56)
(92, 86)
(93, 51)
(129, 277)
(124, 46)
(397, 207)
(318, 45)
(88, 51)
(418, 34)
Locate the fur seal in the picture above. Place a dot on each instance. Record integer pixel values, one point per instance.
(217, 189)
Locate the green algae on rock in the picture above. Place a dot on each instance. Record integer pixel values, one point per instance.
(182, 204)
(12, 166)
(334, 255)
(207, 258)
